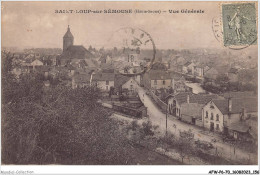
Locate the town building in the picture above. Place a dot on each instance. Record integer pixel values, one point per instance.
(81, 80)
(71, 51)
(221, 114)
(104, 81)
(175, 101)
(157, 79)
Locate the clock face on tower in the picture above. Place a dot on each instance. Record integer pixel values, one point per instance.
(137, 50)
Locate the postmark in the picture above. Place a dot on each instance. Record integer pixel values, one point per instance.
(239, 25)
(137, 49)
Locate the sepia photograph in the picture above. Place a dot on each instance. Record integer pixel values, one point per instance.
(129, 83)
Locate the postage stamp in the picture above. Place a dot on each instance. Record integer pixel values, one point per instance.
(239, 24)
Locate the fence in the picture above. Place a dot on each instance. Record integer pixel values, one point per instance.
(129, 111)
(159, 102)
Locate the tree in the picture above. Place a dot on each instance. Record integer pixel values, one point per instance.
(184, 143)
(222, 80)
(62, 125)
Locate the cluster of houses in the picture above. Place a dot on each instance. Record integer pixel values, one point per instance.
(208, 70)
(233, 114)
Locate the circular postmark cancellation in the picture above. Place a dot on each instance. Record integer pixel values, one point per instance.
(137, 50)
(237, 27)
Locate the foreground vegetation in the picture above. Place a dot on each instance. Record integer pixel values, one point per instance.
(60, 125)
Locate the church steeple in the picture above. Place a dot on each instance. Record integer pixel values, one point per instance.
(68, 39)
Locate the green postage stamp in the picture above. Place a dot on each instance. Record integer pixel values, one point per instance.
(239, 24)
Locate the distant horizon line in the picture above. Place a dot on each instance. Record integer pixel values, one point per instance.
(28, 47)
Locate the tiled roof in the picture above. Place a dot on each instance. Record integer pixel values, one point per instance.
(194, 98)
(159, 75)
(238, 94)
(176, 76)
(192, 109)
(158, 66)
(77, 51)
(250, 104)
(103, 77)
(120, 80)
(239, 126)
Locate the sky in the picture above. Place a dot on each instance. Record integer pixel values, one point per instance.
(35, 24)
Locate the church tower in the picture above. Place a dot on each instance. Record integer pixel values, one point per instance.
(67, 39)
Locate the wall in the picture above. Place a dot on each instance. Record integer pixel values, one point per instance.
(175, 105)
(159, 85)
(128, 84)
(159, 102)
(215, 111)
(102, 85)
(147, 81)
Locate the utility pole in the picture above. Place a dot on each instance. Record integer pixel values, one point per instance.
(166, 122)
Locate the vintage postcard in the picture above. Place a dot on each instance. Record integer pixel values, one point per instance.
(129, 83)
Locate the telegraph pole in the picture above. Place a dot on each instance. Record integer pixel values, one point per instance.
(166, 121)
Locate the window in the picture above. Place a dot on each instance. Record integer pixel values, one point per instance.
(207, 114)
(212, 116)
(107, 88)
(155, 82)
(163, 82)
(217, 126)
(217, 117)
(107, 82)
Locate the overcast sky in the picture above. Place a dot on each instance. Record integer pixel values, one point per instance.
(35, 24)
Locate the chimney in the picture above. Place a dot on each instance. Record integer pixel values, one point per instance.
(188, 98)
(229, 104)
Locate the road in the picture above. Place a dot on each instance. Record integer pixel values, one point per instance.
(223, 149)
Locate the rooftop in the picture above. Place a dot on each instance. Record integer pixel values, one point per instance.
(103, 76)
(193, 98)
(238, 104)
(159, 75)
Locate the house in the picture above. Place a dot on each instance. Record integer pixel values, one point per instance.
(80, 80)
(199, 70)
(178, 83)
(125, 84)
(191, 113)
(36, 63)
(175, 101)
(104, 81)
(211, 74)
(157, 79)
(222, 114)
(188, 68)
